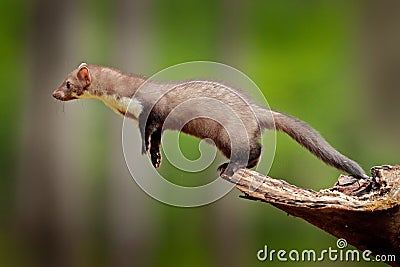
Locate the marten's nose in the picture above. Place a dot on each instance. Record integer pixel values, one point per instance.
(58, 95)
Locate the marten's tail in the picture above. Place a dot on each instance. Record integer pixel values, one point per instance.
(314, 142)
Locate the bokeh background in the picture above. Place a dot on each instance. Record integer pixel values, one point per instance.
(66, 196)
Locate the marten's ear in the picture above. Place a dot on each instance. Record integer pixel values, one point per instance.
(84, 75)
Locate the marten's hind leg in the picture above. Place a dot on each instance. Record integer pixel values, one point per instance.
(241, 159)
(255, 154)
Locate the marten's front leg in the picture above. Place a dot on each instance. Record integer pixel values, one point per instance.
(146, 128)
(145, 139)
(155, 141)
(151, 131)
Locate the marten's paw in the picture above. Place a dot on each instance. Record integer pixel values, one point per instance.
(155, 158)
(228, 169)
(221, 169)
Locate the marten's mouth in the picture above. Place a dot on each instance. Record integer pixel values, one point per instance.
(62, 96)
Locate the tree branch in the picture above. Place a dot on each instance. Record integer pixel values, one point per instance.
(365, 213)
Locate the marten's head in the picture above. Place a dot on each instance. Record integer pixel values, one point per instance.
(109, 85)
(75, 85)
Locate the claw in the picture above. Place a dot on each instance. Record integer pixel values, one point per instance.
(156, 159)
(223, 169)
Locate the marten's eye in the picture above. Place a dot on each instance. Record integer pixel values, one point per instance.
(68, 85)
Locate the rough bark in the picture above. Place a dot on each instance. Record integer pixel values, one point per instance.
(365, 213)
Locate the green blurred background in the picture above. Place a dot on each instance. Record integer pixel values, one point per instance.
(66, 196)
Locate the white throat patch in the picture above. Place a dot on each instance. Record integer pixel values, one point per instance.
(119, 104)
(131, 105)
